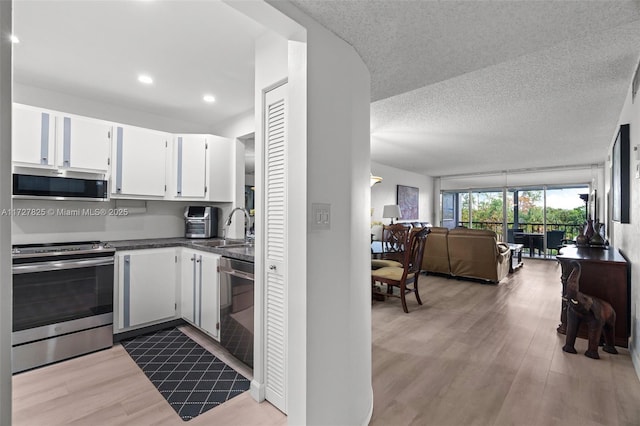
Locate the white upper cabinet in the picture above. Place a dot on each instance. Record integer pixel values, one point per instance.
(203, 167)
(83, 143)
(190, 165)
(33, 139)
(140, 161)
(221, 168)
(51, 139)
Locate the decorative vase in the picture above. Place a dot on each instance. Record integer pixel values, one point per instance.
(597, 238)
(581, 239)
(589, 231)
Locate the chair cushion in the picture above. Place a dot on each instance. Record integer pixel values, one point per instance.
(389, 272)
(381, 263)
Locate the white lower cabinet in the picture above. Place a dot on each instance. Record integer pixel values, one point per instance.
(146, 291)
(200, 285)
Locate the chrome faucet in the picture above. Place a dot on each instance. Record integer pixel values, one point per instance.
(247, 221)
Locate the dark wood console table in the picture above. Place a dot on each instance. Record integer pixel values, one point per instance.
(605, 274)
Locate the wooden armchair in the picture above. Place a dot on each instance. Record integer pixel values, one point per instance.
(404, 277)
(394, 240)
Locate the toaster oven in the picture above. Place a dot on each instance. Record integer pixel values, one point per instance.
(200, 222)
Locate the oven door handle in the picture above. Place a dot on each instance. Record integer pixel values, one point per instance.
(57, 265)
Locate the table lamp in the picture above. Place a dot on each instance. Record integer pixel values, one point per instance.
(391, 211)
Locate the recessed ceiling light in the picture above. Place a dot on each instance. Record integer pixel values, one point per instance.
(209, 98)
(14, 38)
(145, 79)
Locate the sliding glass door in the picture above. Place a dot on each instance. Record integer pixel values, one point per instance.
(537, 217)
(487, 211)
(566, 213)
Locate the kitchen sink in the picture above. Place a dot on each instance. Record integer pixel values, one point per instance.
(246, 249)
(222, 243)
(243, 245)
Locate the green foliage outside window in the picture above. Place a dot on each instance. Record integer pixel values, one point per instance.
(487, 212)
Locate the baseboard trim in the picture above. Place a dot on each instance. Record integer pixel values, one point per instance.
(370, 414)
(257, 391)
(635, 359)
(148, 329)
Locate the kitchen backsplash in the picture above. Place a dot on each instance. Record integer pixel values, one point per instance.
(46, 221)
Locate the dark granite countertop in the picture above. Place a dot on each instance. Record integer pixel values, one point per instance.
(242, 253)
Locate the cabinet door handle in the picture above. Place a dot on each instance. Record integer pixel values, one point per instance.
(193, 258)
(272, 267)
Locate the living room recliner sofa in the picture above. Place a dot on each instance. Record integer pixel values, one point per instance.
(468, 253)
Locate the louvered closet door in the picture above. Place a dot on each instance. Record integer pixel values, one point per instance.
(275, 199)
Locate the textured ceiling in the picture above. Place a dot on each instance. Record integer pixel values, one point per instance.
(476, 86)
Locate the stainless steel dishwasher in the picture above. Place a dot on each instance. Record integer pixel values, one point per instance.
(236, 308)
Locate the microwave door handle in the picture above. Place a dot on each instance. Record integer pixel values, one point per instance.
(57, 265)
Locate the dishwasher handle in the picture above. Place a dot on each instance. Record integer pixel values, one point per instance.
(236, 273)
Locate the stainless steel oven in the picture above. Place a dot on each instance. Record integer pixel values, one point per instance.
(62, 301)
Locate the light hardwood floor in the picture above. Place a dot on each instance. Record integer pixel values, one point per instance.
(478, 354)
(473, 354)
(108, 388)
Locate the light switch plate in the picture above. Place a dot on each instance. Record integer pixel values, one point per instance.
(320, 216)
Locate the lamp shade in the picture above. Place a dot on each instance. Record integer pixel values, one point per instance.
(391, 211)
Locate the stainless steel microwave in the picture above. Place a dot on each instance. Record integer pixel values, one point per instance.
(55, 186)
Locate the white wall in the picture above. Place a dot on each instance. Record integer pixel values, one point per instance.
(5, 203)
(237, 227)
(625, 236)
(237, 126)
(385, 192)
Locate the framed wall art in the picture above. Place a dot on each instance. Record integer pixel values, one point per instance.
(620, 176)
(409, 200)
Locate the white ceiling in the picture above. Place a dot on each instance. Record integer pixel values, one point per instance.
(458, 86)
(477, 86)
(96, 49)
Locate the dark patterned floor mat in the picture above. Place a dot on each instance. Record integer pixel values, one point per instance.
(190, 378)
